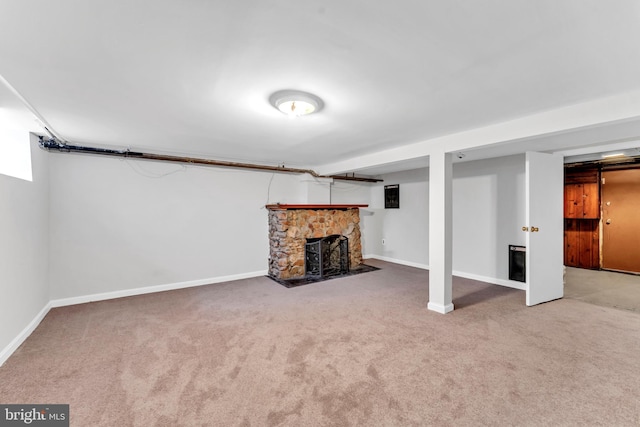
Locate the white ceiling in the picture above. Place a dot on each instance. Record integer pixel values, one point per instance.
(194, 77)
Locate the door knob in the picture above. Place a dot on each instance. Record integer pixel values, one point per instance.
(608, 221)
(525, 228)
(534, 229)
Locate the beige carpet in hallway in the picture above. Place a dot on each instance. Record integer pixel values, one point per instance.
(362, 350)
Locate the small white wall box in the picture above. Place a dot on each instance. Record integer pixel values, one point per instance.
(392, 196)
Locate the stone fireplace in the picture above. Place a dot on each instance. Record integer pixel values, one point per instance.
(291, 227)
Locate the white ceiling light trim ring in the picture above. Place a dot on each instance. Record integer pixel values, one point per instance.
(295, 103)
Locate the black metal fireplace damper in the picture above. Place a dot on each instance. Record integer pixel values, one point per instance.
(326, 256)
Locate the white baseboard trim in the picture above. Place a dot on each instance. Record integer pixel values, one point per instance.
(18, 340)
(494, 281)
(398, 261)
(151, 289)
(502, 282)
(439, 308)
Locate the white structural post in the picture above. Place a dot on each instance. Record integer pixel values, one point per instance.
(440, 232)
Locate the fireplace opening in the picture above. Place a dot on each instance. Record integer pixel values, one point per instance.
(326, 256)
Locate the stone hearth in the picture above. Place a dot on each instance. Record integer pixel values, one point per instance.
(291, 225)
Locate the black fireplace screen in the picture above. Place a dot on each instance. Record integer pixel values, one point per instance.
(327, 256)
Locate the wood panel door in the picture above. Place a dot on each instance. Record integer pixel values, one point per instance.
(621, 220)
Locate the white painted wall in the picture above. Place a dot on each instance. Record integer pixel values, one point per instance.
(351, 192)
(123, 224)
(488, 212)
(404, 230)
(315, 190)
(24, 231)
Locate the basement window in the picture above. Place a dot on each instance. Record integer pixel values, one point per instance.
(15, 154)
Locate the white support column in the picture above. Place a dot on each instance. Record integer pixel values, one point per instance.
(440, 232)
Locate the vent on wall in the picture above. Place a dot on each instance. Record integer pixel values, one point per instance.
(517, 257)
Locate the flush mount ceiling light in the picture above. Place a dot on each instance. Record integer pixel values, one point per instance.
(612, 155)
(295, 103)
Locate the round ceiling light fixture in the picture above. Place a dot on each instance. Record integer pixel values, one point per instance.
(295, 103)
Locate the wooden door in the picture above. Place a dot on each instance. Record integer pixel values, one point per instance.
(544, 184)
(621, 220)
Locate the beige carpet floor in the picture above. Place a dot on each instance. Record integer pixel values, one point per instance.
(362, 350)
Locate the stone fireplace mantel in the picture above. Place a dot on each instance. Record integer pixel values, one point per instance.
(290, 225)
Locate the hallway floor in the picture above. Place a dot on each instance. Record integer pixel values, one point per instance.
(603, 288)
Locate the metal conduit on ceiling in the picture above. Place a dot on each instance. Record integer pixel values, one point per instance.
(52, 144)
